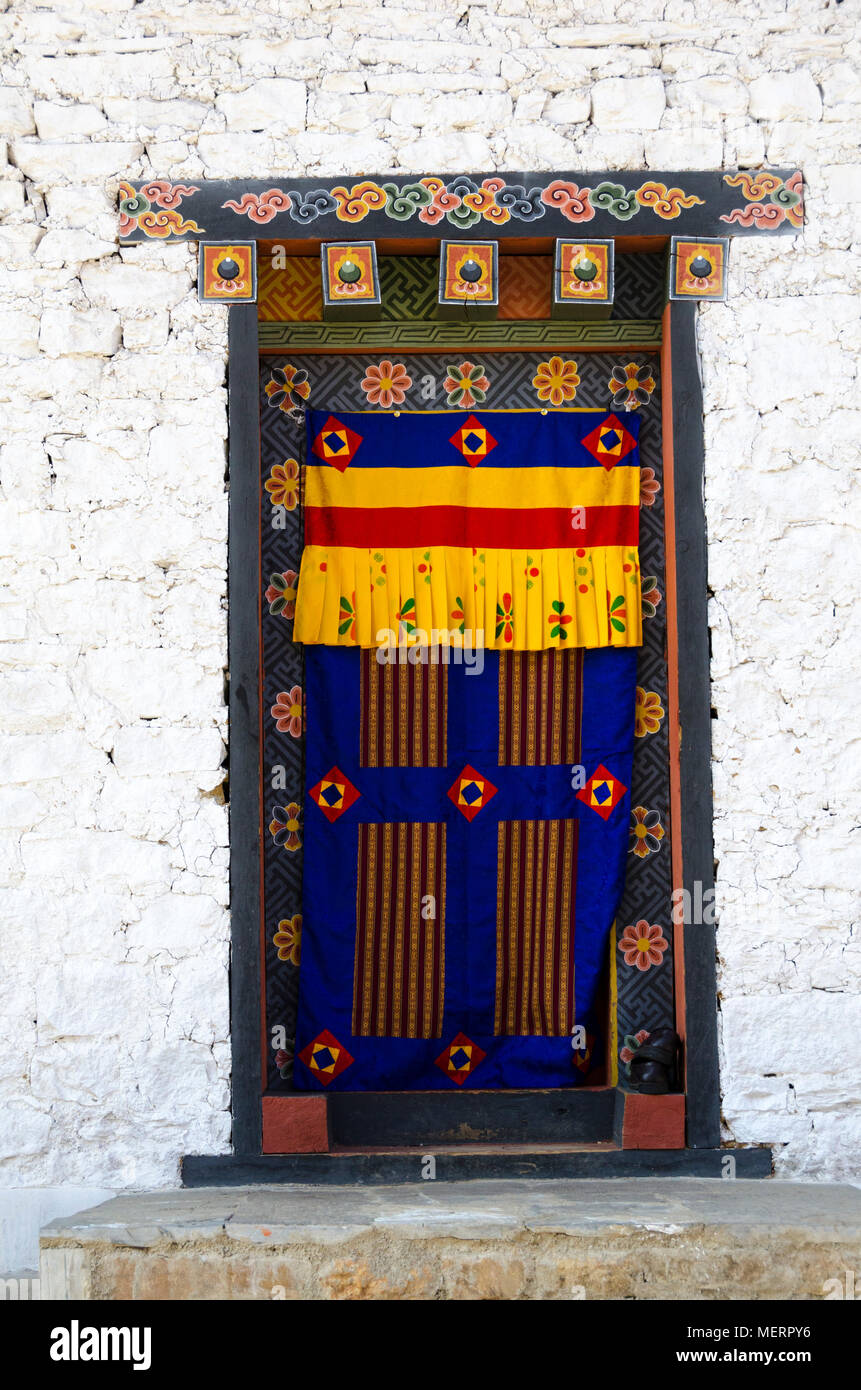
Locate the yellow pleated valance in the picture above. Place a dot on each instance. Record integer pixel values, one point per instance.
(513, 530)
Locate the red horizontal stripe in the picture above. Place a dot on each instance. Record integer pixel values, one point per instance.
(497, 528)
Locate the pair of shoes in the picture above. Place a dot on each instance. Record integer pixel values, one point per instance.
(652, 1068)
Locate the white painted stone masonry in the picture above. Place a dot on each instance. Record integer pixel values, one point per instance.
(114, 924)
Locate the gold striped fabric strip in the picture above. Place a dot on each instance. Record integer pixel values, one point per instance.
(399, 975)
(403, 713)
(540, 707)
(536, 886)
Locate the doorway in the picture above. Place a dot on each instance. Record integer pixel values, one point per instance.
(520, 361)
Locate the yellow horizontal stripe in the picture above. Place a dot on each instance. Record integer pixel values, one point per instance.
(471, 487)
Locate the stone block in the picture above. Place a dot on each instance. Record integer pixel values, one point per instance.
(16, 112)
(234, 155)
(145, 750)
(90, 77)
(485, 112)
(35, 757)
(841, 91)
(568, 108)
(79, 206)
(151, 331)
(628, 103)
(272, 103)
(695, 148)
(530, 107)
(19, 332)
(89, 332)
(131, 287)
(60, 121)
(64, 1275)
(726, 96)
(61, 162)
(785, 96)
(84, 857)
(144, 114)
(72, 247)
(11, 196)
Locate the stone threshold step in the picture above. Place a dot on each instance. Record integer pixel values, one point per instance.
(622, 1239)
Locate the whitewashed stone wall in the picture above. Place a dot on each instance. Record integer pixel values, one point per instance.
(113, 927)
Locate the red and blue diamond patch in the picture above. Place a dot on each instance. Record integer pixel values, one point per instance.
(334, 794)
(609, 442)
(602, 792)
(460, 1058)
(474, 441)
(336, 444)
(326, 1057)
(471, 792)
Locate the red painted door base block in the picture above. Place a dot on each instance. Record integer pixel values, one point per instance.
(295, 1125)
(653, 1122)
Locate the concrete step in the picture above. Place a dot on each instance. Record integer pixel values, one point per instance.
(664, 1238)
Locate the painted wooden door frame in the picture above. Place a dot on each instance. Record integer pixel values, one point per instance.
(689, 697)
(397, 213)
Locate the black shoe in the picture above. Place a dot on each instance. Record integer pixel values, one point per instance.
(652, 1069)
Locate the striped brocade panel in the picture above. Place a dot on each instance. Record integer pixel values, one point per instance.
(540, 705)
(536, 885)
(403, 713)
(398, 983)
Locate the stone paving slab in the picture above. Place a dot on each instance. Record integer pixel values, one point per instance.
(622, 1238)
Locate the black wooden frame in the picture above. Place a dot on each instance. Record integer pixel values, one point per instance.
(244, 664)
(702, 1076)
